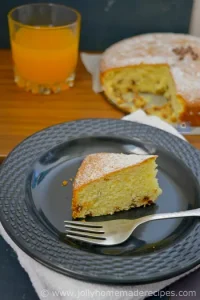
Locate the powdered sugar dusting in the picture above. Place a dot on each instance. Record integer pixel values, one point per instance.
(158, 49)
(99, 165)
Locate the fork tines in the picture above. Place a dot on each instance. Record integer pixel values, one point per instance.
(86, 224)
(91, 232)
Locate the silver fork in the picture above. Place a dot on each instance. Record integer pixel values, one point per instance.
(116, 231)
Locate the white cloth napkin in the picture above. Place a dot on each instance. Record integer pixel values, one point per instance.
(91, 63)
(51, 285)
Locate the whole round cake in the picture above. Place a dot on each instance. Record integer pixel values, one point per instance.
(159, 73)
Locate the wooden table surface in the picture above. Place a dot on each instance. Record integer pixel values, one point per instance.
(22, 114)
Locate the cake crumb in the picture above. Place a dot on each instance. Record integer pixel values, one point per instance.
(64, 183)
(79, 208)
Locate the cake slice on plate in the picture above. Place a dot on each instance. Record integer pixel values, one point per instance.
(109, 182)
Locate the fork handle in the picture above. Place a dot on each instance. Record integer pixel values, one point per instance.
(181, 214)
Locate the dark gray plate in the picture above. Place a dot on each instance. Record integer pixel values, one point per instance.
(34, 204)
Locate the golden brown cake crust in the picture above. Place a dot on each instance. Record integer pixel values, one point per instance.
(180, 52)
(98, 165)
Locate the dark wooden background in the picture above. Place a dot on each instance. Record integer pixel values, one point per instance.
(107, 21)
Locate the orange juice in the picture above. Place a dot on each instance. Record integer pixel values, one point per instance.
(44, 56)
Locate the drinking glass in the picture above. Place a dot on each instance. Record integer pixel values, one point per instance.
(44, 40)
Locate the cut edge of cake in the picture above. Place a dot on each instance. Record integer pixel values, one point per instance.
(166, 64)
(101, 173)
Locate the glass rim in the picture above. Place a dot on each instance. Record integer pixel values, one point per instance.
(9, 15)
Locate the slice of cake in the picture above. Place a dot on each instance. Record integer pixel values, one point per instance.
(111, 182)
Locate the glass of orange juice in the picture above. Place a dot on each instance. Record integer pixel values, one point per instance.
(44, 41)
